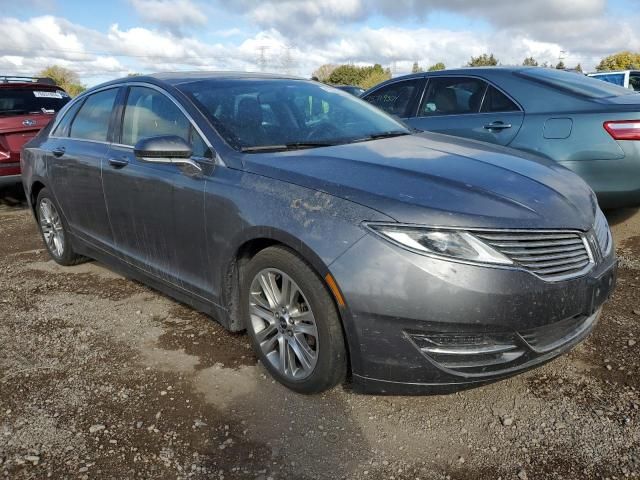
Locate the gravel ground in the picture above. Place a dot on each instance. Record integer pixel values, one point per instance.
(101, 377)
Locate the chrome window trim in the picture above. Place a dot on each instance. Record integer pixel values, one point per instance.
(476, 77)
(181, 108)
(216, 159)
(584, 236)
(79, 98)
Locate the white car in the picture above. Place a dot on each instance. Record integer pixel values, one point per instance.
(624, 78)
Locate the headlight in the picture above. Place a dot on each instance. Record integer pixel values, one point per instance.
(456, 244)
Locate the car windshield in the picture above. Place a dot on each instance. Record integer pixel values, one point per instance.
(575, 83)
(18, 101)
(275, 114)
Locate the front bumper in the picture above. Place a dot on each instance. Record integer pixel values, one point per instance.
(416, 324)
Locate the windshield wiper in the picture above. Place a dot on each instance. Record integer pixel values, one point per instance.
(286, 146)
(378, 136)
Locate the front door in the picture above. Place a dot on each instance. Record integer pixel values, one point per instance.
(157, 210)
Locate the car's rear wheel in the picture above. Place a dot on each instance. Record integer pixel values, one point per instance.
(293, 322)
(53, 230)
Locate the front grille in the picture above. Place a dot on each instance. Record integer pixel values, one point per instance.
(549, 255)
(603, 234)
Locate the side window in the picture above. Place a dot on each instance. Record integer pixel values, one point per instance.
(62, 129)
(634, 81)
(92, 121)
(395, 98)
(452, 96)
(149, 113)
(496, 101)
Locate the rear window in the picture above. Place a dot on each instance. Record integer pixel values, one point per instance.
(615, 78)
(574, 83)
(24, 101)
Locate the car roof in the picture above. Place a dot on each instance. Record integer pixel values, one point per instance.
(613, 71)
(181, 78)
(176, 78)
(472, 71)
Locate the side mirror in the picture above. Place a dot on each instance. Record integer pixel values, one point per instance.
(165, 149)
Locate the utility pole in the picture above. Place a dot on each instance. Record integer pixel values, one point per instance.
(262, 57)
(287, 60)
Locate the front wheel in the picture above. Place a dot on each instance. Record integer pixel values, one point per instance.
(293, 322)
(53, 230)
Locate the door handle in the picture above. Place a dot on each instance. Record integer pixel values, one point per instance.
(58, 152)
(497, 126)
(119, 162)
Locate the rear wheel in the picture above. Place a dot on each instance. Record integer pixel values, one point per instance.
(53, 230)
(293, 322)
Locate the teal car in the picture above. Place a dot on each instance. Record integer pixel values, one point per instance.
(589, 126)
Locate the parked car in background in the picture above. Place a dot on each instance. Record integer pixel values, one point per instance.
(352, 89)
(26, 106)
(335, 236)
(588, 126)
(624, 78)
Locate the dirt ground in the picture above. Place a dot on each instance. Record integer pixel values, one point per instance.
(101, 377)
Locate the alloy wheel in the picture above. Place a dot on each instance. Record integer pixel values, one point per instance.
(51, 225)
(283, 324)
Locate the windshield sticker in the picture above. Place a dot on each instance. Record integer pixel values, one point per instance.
(41, 94)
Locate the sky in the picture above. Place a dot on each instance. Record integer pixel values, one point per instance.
(102, 40)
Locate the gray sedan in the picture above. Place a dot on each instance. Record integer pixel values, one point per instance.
(588, 126)
(343, 243)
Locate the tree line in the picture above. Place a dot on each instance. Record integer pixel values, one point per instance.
(368, 76)
(371, 75)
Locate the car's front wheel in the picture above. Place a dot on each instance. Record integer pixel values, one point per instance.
(53, 230)
(293, 322)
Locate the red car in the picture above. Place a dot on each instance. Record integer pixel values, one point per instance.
(27, 105)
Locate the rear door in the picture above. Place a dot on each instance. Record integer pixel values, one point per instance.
(468, 107)
(75, 153)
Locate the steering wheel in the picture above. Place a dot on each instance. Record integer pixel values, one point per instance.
(321, 131)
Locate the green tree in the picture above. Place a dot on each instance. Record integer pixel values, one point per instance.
(579, 68)
(364, 77)
(65, 78)
(620, 61)
(560, 65)
(323, 72)
(483, 60)
(530, 62)
(437, 66)
(416, 68)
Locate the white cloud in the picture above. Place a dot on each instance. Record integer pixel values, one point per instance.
(172, 14)
(316, 32)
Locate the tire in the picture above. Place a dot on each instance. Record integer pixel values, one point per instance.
(305, 323)
(54, 231)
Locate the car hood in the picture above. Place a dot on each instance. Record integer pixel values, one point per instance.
(439, 180)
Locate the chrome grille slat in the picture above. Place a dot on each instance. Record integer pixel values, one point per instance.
(527, 237)
(561, 269)
(552, 255)
(518, 251)
(555, 263)
(538, 243)
(543, 257)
